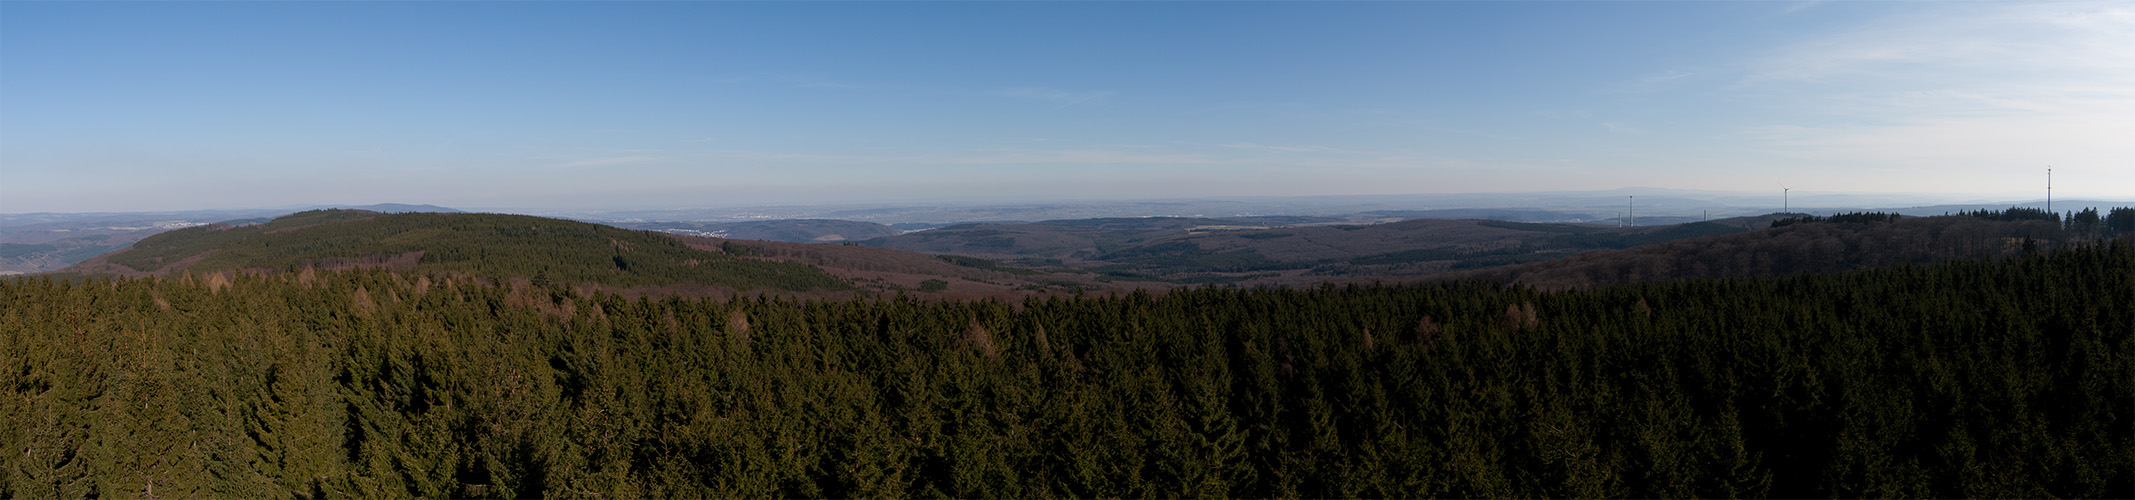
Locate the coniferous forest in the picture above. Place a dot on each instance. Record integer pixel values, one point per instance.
(2009, 378)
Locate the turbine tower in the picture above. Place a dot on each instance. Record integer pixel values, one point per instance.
(1786, 201)
(2049, 189)
(1631, 212)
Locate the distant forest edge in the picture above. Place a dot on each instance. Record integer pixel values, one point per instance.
(495, 246)
(2007, 377)
(2085, 222)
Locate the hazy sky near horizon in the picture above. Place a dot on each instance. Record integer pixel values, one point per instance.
(191, 105)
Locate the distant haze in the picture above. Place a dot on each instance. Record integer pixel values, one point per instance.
(142, 106)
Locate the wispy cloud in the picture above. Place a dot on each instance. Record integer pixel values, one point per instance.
(1077, 156)
(1063, 98)
(1804, 5)
(1959, 86)
(817, 83)
(1250, 146)
(608, 161)
(1622, 128)
(1306, 160)
(2013, 47)
(1664, 76)
(985, 156)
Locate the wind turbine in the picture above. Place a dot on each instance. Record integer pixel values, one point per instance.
(2049, 189)
(1786, 203)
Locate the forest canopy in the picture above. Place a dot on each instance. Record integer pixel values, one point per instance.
(2007, 378)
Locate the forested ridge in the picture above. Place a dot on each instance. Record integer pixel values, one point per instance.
(495, 246)
(1810, 244)
(1972, 378)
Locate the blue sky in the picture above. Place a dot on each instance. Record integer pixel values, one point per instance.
(581, 105)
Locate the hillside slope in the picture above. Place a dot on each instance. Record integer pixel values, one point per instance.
(42, 242)
(893, 271)
(489, 245)
(1194, 250)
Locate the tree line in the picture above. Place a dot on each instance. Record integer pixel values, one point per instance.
(2086, 223)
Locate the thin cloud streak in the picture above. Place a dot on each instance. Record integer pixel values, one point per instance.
(1966, 91)
(609, 161)
(1671, 75)
(997, 156)
(1273, 149)
(1063, 98)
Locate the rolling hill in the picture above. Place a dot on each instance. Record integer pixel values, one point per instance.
(40, 242)
(487, 245)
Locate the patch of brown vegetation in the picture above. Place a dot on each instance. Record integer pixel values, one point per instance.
(360, 302)
(977, 338)
(737, 326)
(1521, 316)
(217, 281)
(526, 296)
(1426, 332)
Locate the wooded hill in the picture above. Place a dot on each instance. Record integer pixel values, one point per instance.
(43, 242)
(1970, 378)
(562, 252)
(495, 246)
(1809, 244)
